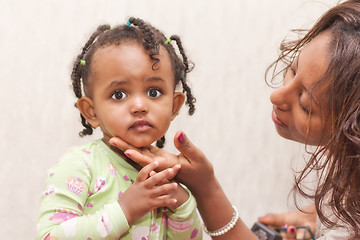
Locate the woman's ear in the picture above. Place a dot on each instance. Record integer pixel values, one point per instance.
(178, 101)
(86, 108)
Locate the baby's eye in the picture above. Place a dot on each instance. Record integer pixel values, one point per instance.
(154, 93)
(118, 95)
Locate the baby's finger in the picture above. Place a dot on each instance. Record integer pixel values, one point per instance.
(175, 169)
(159, 177)
(164, 190)
(145, 171)
(166, 201)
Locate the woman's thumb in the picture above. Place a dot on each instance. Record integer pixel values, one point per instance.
(184, 145)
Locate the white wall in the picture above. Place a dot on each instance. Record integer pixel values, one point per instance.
(231, 42)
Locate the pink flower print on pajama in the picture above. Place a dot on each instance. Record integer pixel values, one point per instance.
(104, 226)
(89, 205)
(100, 184)
(194, 233)
(75, 185)
(112, 169)
(48, 237)
(87, 152)
(154, 229)
(50, 190)
(180, 226)
(139, 233)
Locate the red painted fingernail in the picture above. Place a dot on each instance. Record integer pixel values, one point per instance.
(181, 138)
(114, 144)
(128, 155)
(292, 230)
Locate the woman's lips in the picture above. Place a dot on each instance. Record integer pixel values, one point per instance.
(276, 120)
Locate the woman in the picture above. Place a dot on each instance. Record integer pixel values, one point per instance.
(319, 105)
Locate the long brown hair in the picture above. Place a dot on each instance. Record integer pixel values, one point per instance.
(337, 157)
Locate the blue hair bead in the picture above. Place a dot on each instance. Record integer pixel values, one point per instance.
(128, 23)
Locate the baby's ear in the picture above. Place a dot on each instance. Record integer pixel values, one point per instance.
(86, 107)
(178, 101)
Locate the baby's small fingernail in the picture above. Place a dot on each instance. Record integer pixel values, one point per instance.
(170, 170)
(156, 163)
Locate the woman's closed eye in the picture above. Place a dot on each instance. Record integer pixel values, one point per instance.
(304, 107)
(118, 95)
(154, 93)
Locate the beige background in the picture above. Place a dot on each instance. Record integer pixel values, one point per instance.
(231, 42)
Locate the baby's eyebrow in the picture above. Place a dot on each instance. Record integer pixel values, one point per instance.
(117, 83)
(155, 79)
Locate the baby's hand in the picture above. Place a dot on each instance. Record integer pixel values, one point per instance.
(143, 195)
(179, 193)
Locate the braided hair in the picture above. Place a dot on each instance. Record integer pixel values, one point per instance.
(144, 33)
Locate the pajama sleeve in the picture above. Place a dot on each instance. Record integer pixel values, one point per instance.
(184, 221)
(64, 197)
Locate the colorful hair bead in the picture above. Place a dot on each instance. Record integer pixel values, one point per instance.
(168, 41)
(82, 62)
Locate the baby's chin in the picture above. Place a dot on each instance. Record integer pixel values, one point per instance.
(141, 144)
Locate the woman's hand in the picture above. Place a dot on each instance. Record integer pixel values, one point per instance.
(289, 221)
(195, 167)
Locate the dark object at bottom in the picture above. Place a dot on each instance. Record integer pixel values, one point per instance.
(263, 232)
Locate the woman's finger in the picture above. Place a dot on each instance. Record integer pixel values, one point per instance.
(121, 144)
(274, 220)
(138, 157)
(290, 233)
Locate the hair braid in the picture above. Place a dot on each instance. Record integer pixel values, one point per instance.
(149, 42)
(190, 99)
(78, 73)
(160, 143)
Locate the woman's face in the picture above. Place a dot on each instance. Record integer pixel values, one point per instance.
(298, 111)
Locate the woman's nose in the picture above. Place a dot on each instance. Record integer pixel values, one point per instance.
(281, 98)
(139, 105)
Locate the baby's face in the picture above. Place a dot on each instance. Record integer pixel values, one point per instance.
(130, 99)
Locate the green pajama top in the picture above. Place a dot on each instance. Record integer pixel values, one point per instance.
(80, 201)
